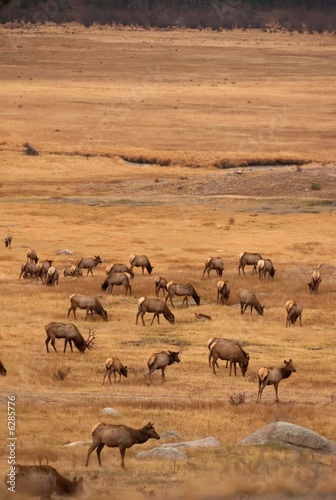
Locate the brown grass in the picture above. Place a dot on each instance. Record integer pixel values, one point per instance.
(178, 216)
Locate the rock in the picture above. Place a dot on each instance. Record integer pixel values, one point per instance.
(77, 443)
(291, 436)
(111, 411)
(198, 443)
(160, 452)
(171, 435)
(64, 252)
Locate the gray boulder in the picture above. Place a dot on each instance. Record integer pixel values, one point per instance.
(111, 411)
(198, 443)
(65, 252)
(161, 452)
(291, 436)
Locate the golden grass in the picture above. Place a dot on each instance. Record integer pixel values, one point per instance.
(103, 205)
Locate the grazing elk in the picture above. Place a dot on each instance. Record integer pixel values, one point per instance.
(42, 481)
(160, 361)
(156, 306)
(160, 284)
(273, 376)
(114, 365)
(73, 271)
(248, 259)
(8, 241)
(248, 299)
(52, 276)
(229, 351)
(119, 436)
(223, 291)
(315, 282)
(32, 256)
(3, 370)
(141, 261)
(91, 304)
(89, 263)
(117, 279)
(265, 266)
(294, 312)
(29, 270)
(211, 343)
(184, 291)
(119, 268)
(70, 333)
(42, 269)
(213, 264)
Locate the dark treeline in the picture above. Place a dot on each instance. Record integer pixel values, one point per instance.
(300, 15)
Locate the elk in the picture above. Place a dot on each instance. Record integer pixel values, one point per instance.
(119, 436)
(160, 284)
(32, 256)
(294, 312)
(91, 304)
(3, 370)
(43, 481)
(8, 241)
(73, 271)
(119, 268)
(184, 291)
(114, 365)
(248, 259)
(273, 376)
(213, 264)
(141, 261)
(223, 291)
(265, 266)
(42, 269)
(52, 276)
(89, 263)
(248, 299)
(315, 281)
(29, 270)
(160, 361)
(156, 306)
(116, 279)
(70, 333)
(232, 352)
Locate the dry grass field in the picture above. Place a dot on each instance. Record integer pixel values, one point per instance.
(129, 125)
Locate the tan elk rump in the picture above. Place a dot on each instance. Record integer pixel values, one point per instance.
(119, 436)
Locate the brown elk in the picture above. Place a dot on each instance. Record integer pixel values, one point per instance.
(248, 259)
(273, 376)
(32, 256)
(52, 276)
(89, 263)
(119, 436)
(70, 333)
(294, 312)
(91, 304)
(265, 266)
(117, 279)
(119, 268)
(73, 271)
(3, 370)
(141, 261)
(29, 270)
(213, 264)
(42, 269)
(232, 352)
(223, 291)
(160, 361)
(315, 281)
(43, 481)
(8, 241)
(184, 291)
(248, 299)
(114, 365)
(156, 306)
(160, 284)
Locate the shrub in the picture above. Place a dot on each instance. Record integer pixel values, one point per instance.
(61, 373)
(315, 186)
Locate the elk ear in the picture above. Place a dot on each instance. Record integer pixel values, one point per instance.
(286, 362)
(150, 424)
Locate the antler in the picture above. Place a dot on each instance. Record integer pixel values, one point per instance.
(90, 339)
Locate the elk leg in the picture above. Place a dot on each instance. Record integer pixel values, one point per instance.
(122, 454)
(90, 450)
(276, 385)
(98, 451)
(163, 378)
(213, 364)
(53, 344)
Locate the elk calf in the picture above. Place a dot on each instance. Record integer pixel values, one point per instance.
(273, 376)
(315, 282)
(160, 361)
(294, 312)
(119, 436)
(114, 365)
